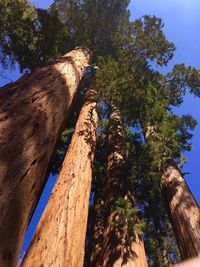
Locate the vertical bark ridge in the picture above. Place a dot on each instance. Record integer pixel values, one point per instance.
(59, 239)
(184, 211)
(95, 239)
(32, 113)
(118, 248)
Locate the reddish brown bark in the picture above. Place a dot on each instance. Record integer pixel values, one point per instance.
(183, 210)
(32, 113)
(59, 239)
(119, 247)
(95, 238)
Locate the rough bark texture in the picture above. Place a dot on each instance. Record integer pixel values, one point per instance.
(59, 239)
(118, 247)
(32, 113)
(183, 210)
(94, 254)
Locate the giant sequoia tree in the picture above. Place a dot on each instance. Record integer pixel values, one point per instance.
(171, 133)
(124, 52)
(36, 107)
(61, 238)
(121, 243)
(183, 211)
(138, 89)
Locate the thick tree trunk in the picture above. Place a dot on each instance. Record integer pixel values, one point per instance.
(183, 210)
(119, 248)
(59, 239)
(32, 113)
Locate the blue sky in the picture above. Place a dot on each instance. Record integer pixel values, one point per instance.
(182, 24)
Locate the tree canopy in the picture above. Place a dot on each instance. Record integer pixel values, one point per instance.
(127, 54)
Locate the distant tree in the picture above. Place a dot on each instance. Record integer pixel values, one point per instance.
(146, 97)
(168, 135)
(121, 241)
(126, 54)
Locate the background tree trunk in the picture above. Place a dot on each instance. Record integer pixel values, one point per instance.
(95, 238)
(33, 111)
(59, 239)
(183, 211)
(119, 248)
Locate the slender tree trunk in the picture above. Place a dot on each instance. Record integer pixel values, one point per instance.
(120, 247)
(32, 113)
(59, 239)
(184, 211)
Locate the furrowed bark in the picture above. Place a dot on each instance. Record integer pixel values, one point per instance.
(95, 240)
(119, 248)
(32, 113)
(59, 239)
(184, 211)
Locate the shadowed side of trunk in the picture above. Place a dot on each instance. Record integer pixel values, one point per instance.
(184, 211)
(59, 239)
(32, 113)
(94, 253)
(121, 245)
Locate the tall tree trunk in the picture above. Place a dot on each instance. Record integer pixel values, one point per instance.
(59, 239)
(120, 248)
(33, 111)
(95, 237)
(184, 212)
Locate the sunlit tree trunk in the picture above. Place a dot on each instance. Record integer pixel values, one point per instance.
(59, 239)
(120, 247)
(184, 212)
(33, 111)
(183, 209)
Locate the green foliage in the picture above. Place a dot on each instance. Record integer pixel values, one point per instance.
(158, 236)
(144, 40)
(89, 22)
(29, 36)
(53, 38)
(123, 85)
(99, 168)
(127, 215)
(126, 54)
(61, 150)
(17, 20)
(170, 138)
(128, 81)
(181, 79)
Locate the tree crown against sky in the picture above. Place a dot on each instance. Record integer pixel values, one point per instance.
(124, 52)
(29, 36)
